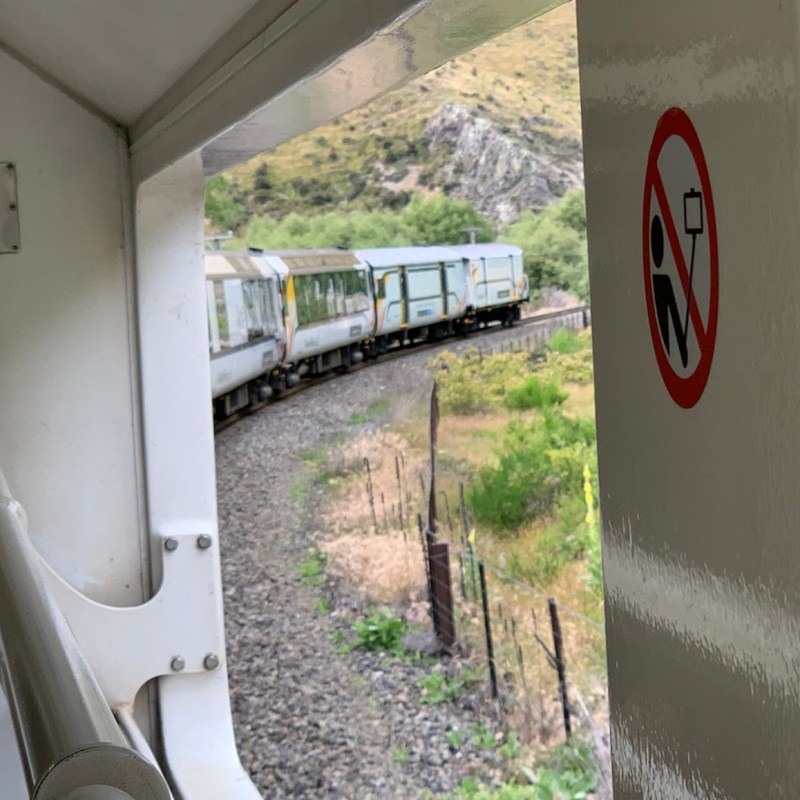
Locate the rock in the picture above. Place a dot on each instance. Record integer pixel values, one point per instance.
(424, 644)
(503, 173)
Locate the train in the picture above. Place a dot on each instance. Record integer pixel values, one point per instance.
(275, 317)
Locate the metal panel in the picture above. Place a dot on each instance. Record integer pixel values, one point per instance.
(700, 511)
(9, 209)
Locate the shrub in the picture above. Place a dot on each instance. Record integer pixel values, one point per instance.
(474, 384)
(541, 460)
(564, 341)
(535, 394)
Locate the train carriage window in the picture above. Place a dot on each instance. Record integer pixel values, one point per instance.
(330, 298)
(341, 296)
(222, 315)
(253, 307)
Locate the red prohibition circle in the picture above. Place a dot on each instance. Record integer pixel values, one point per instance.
(685, 391)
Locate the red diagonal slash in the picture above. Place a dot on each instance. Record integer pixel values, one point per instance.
(680, 262)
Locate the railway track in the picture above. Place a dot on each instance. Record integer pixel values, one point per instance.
(578, 312)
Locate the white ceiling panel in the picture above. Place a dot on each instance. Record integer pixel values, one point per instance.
(120, 55)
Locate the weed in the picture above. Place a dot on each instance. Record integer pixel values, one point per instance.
(455, 739)
(337, 637)
(566, 772)
(483, 738)
(378, 407)
(438, 688)
(313, 567)
(357, 418)
(510, 749)
(565, 342)
(298, 493)
(324, 606)
(400, 755)
(380, 632)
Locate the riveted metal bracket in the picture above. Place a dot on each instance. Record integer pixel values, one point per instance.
(172, 633)
(9, 209)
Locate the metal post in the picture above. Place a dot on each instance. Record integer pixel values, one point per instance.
(558, 646)
(487, 627)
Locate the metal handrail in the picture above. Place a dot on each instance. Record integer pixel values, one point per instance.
(69, 741)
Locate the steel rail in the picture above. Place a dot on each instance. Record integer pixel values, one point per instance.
(70, 744)
(399, 352)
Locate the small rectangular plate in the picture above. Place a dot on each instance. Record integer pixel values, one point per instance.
(9, 209)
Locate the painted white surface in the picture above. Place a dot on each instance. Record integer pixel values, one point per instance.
(119, 55)
(700, 510)
(196, 727)
(67, 427)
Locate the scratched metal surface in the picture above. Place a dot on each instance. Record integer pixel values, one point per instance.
(701, 514)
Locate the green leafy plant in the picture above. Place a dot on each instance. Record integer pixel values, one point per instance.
(510, 748)
(439, 688)
(313, 567)
(483, 738)
(380, 632)
(324, 606)
(455, 739)
(400, 755)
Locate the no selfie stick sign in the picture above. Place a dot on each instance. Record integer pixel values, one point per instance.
(681, 266)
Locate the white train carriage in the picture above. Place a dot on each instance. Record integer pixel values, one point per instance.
(498, 280)
(328, 309)
(246, 334)
(420, 292)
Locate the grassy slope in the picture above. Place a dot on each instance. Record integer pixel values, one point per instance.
(531, 71)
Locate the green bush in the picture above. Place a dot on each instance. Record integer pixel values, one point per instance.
(474, 384)
(569, 359)
(564, 341)
(535, 394)
(541, 461)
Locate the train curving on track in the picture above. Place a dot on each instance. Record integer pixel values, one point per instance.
(276, 317)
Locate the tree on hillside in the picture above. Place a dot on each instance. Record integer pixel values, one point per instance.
(357, 229)
(554, 244)
(439, 219)
(224, 211)
(433, 220)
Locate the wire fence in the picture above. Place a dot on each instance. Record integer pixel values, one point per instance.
(542, 661)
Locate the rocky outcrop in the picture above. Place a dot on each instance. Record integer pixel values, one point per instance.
(502, 172)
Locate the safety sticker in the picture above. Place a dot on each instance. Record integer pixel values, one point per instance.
(681, 269)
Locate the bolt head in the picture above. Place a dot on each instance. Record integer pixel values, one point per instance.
(171, 544)
(177, 664)
(204, 541)
(211, 662)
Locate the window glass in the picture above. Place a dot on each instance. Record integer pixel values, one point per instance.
(252, 291)
(222, 315)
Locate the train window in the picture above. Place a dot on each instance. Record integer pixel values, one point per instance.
(252, 308)
(341, 294)
(222, 315)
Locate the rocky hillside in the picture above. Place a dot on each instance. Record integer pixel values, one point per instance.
(499, 126)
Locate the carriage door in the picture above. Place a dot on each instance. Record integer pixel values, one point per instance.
(401, 274)
(445, 297)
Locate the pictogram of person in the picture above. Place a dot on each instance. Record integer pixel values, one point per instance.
(664, 294)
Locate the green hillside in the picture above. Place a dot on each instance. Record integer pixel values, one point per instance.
(515, 97)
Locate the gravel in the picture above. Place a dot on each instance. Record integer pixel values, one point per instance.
(312, 721)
